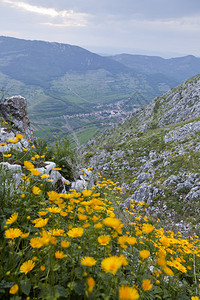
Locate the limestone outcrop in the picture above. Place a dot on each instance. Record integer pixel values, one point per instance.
(14, 111)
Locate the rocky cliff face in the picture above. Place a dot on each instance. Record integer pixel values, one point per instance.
(179, 104)
(155, 155)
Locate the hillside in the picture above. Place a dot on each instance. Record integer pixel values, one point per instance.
(38, 62)
(155, 156)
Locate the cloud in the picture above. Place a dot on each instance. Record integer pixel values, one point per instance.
(65, 24)
(68, 17)
(138, 22)
(184, 24)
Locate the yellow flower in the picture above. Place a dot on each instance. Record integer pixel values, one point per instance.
(82, 217)
(27, 266)
(147, 285)
(111, 264)
(7, 155)
(35, 172)
(19, 136)
(42, 222)
(124, 260)
(99, 225)
(14, 289)
(3, 144)
(76, 232)
(42, 213)
(86, 193)
(28, 165)
(65, 244)
(57, 232)
(95, 219)
(12, 219)
(12, 233)
(161, 261)
(122, 240)
(86, 225)
(168, 271)
(44, 176)
(88, 261)
(54, 210)
(91, 284)
(63, 213)
(53, 195)
(128, 293)
(147, 228)
(59, 254)
(144, 254)
(36, 190)
(37, 156)
(194, 298)
(42, 268)
(104, 239)
(13, 141)
(114, 223)
(36, 242)
(36, 220)
(131, 240)
(24, 235)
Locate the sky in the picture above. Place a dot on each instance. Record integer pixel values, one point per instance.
(168, 28)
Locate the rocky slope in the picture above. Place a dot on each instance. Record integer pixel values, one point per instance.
(155, 155)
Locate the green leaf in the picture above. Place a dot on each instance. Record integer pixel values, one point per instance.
(26, 286)
(60, 290)
(79, 287)
(71, 285)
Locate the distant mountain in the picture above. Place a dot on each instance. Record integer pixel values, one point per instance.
(71, 90)
(180, 68)
(67, 85)
(38, 62)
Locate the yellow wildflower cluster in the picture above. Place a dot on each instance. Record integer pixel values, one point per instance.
(77, 236)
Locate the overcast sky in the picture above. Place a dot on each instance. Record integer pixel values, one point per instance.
(167, 28)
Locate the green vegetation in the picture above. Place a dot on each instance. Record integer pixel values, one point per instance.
(81, 245)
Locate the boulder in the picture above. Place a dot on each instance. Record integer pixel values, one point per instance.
(57, 179)
(14, 111)
(85, 181)
(16, 174)
(6, 146)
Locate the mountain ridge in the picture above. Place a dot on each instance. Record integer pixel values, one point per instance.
(60, 57)
(181, 68)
